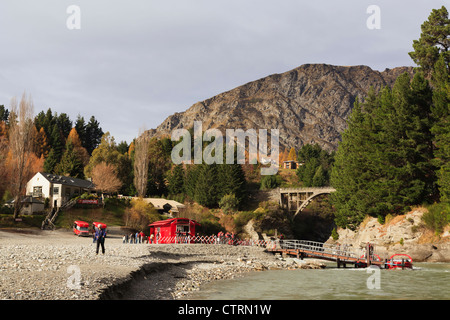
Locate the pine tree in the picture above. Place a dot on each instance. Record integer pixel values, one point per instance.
(383, 164)
(313, 157)
(64, 124)
(93, 135)
(80, 127)
(319, 178)
(176, 180)
(231, 180)
(351, 170)
(192, 174)
(51, 161)
(206, 187)
(70, 165)
(4, 114)
(434, 42)
(441, 127)
(432, 55)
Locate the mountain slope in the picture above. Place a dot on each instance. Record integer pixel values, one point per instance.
(309, 104)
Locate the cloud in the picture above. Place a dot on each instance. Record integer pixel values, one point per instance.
(133, 63)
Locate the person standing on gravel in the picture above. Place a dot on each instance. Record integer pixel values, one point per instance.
(99, 236)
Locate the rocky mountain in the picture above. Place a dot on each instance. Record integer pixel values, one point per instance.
(309, 104)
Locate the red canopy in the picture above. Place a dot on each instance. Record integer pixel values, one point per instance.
(82, 224)
(99, 225)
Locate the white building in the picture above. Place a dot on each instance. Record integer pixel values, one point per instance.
(58, 189)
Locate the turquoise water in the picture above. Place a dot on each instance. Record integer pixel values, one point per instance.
(425, 282)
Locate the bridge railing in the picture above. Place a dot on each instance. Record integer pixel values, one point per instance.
(322, 248)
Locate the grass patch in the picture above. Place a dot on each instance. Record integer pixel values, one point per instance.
(437, 217)
(112, 214)
(33, 221)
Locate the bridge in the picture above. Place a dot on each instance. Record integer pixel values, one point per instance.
(342, 254)
(296, 199)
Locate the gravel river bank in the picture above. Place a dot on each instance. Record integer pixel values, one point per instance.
(56, 265)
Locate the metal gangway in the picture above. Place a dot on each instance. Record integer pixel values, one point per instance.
(342, 254)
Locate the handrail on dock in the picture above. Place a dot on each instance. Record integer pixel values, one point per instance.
(340, 253)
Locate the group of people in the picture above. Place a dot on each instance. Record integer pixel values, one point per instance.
(226, 238)
(138, 237)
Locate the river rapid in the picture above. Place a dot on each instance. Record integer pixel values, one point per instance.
(427, 281)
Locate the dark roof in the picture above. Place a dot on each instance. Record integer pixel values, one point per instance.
(29, 199)
(68, 181)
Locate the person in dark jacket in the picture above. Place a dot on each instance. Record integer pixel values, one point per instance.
(99, 236)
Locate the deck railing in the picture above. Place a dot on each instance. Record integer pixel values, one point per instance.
(321, 249)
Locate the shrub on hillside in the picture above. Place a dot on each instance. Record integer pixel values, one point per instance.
(437, 217)
(140, 214)
(229, 203)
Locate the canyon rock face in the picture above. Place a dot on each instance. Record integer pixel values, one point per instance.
(309, 104)
(404, 234)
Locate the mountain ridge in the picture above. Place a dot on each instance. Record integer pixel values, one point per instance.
(308, 104)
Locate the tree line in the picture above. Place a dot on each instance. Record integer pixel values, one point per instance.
(55, 144)
(396, 150)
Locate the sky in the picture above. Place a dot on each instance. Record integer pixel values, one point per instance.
(133, 63)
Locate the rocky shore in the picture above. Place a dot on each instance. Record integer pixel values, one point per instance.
(403, 234)
(56, 265)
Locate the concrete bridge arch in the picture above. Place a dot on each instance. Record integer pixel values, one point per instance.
(297, 199)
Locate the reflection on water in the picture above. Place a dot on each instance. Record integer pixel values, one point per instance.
(426, 281)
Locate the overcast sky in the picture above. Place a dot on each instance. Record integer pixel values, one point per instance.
(133, 63)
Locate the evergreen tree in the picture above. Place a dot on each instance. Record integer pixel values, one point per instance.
(56, 151)
(64, 124)
(319, 178)
(93, 135)
(70, 165)
(432, 55)
(176, 180)
(434, 42)
(383, 164)
(4, 114)
(51, 161)
(231, 180)
(441, 127)
(351, 171)
(206, 187)
(308, 151)
(316, 164)
(190, 183)
(80, 126)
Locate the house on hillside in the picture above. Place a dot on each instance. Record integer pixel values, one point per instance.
(291, 164)
(171, 207)
(30, 205)
(58, 189)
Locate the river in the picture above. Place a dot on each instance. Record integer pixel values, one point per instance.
(427, 281)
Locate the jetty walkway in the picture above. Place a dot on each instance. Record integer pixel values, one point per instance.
(341, 254)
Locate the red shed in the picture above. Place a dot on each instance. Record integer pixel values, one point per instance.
(176, 230)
